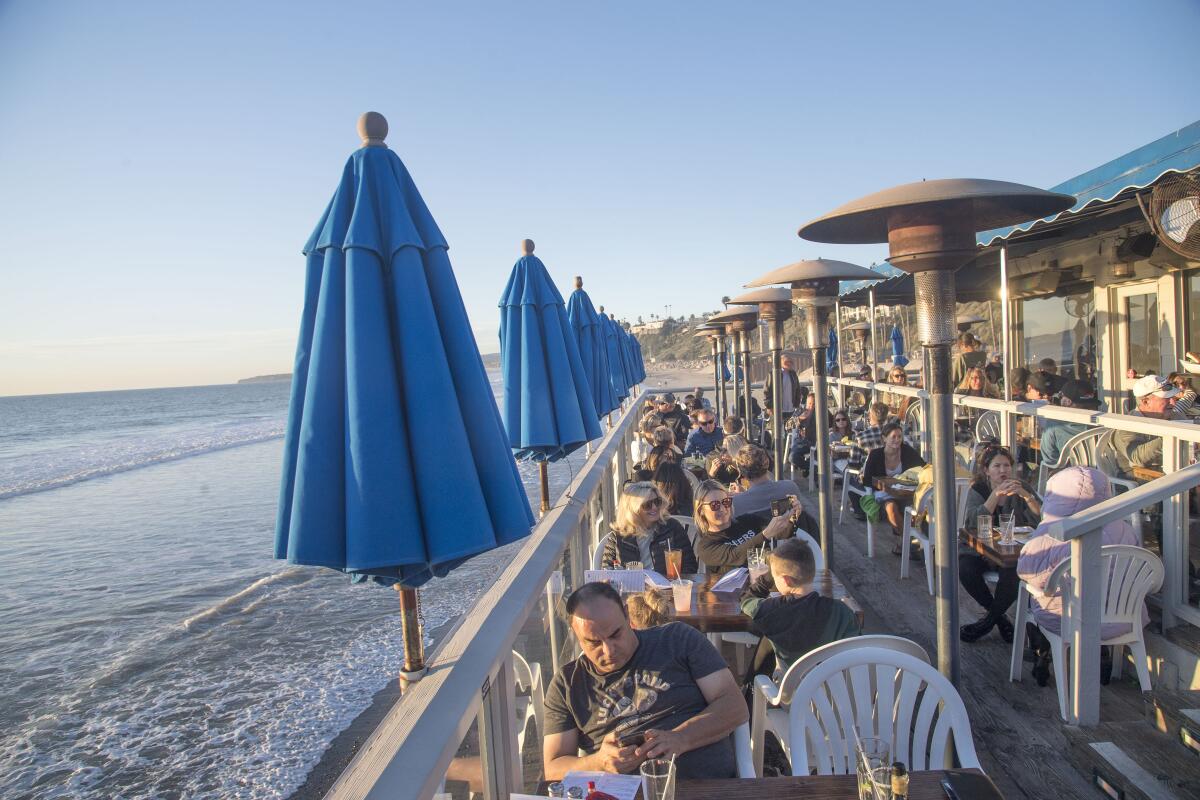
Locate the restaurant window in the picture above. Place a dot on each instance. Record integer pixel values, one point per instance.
(1193, 311)
(1141, 311)
(1062, 328)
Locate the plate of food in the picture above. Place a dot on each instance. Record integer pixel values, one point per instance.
(1190, 367)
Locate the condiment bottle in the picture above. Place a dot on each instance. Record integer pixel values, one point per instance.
(595, 794)
(899, 781)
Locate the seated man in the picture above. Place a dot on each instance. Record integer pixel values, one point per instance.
(1056, 433)
(799, 619)
(666, 683)
(759, 489)
(706, 437)
(1155, 399)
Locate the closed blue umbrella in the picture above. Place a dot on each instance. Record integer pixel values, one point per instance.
(831, 353)
(898, 357)
(548, 408)
(616, 361)
(589, 335)
(388, 375)
(627, 352)
(638, 361)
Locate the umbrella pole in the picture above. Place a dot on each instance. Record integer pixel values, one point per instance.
(544, 480)
(410, 628)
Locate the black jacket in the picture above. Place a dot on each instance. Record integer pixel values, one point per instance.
(797, 395)
(874, 468)
(619, 549)
(721, 551)
(679, 422)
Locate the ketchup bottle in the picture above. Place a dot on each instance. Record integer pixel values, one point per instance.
(595, 794)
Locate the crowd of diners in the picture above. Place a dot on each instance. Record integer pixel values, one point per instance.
(649, 687)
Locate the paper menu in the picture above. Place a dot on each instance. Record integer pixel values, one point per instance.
(622, 787)
(628, 580)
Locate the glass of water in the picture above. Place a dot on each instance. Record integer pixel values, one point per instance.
(658, 779)
(983, 526)
(1006, 528)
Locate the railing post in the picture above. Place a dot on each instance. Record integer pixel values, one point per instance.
(499, 753)
(554, 590)
(1174, 542)
(1084, 613)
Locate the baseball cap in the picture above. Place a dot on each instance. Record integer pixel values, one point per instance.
(1081, 394)
(1155, 385)
(666, 397)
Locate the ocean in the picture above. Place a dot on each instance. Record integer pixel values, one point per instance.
(150, 645)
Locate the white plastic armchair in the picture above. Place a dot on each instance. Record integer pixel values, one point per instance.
(848, 490)
(1129, 574)
(528, 678)
(987, 428)
(771, 711)
(741, 751)
(884, 694)
(912, 528)
(598, 553)
(1080, 450)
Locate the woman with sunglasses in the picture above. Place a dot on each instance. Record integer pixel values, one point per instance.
(994, 491)
(725, 541)
(897, 403)
(644, 533)
(841, 434)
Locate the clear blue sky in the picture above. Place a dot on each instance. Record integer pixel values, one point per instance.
(162, 164)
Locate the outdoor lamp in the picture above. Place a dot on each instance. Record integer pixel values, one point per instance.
(774, 303)
(734, 322)
(713, 333)
(930, 230)
(814, 287)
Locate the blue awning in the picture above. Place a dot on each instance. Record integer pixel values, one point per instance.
(1175, 152)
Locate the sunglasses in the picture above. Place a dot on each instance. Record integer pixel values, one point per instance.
(652, 503)
(708, 422)
(717, 505)
(840, 419)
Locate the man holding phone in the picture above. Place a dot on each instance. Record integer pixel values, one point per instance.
(634, 695)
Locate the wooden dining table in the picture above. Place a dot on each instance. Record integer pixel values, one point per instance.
(923, 785)
(1004, 556)
(721, 612)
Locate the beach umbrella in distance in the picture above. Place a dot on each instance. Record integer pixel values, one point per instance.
(627, 351)
(388, 375)
(548, 408)
(589, 335)
(616, 362)
(831, 354)
(897, 337)
(638, 361)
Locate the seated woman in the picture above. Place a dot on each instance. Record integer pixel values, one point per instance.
(888, 461)
(674, 485)
(975, 383)
(994, 491)
(735, 435)
(724, 541)
(721, 468)
(1068, 492)
(841, 434)
(644, 533)
(897, 403)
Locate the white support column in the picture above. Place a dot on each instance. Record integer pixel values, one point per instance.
(499, 752)
(1084, 614)
(1174, 540)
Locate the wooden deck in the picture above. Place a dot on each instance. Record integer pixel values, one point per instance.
(1022, 742)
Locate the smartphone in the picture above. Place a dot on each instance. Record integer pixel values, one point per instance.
(781, 507)
(632, 740)
(964, 785)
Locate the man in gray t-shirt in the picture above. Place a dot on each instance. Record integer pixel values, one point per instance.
(635, 695)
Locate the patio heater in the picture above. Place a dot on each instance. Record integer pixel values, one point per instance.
(712, 333)
(767, 299)
(815, 288)
(859, 331)
(930, 229)
(732, 323)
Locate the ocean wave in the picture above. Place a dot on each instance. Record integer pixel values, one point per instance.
(253, 592)
(41, 473)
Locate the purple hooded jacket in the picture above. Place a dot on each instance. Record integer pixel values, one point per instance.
(1068, 492)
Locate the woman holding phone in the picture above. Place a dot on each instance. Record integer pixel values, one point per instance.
(725, 541)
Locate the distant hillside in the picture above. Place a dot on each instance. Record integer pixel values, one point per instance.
(284, 376)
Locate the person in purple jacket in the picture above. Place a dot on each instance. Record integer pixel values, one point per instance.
(1068, 492)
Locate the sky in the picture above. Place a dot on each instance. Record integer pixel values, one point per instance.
(163, 164)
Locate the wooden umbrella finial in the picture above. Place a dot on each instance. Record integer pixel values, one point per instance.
(527, 247)
(372, 129)
(578, 281)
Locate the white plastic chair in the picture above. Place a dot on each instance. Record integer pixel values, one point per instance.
(528, 678)
(987, 428)
(871, 692)
(772, 702)
(912, 528)
(598, 553)
(1106, 461)
(847, 490)
(1128, 574)
(1080, 450)
(742, 751)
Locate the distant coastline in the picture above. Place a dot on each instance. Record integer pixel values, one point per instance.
(489, 360)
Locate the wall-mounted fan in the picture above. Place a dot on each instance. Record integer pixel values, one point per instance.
(1173, 211)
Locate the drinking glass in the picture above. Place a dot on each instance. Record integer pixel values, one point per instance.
(674, 564)
(1006, 528)
(874, 764)
(983, 526)
(658, 779)
(681, 590)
